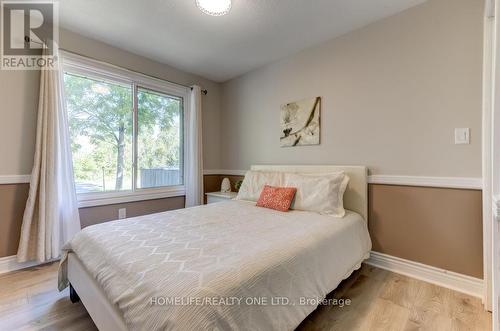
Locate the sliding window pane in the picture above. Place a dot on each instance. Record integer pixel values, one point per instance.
(159, 140)
(100, 116)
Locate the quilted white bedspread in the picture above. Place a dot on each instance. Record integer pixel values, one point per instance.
(223, 266)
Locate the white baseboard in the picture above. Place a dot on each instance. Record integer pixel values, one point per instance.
(9, 264)
(449, 279)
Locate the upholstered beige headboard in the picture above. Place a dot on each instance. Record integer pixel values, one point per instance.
(356, 195)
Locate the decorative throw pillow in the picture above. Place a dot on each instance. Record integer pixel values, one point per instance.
(277, 198)
(255, 181)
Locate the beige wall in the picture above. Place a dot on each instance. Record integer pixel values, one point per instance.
(19, 97)
(393, 92)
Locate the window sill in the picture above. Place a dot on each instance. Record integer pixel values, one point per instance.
(112, 198)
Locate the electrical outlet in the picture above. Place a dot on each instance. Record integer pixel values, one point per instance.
(122, 213)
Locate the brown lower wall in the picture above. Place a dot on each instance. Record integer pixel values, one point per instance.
(13, 199)
(211, 183)
(435, 226)
(94, 215)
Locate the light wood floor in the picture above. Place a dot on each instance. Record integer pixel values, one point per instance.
(381, 300)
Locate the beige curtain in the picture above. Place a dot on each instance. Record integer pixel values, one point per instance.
(194, 151)
(51, 215)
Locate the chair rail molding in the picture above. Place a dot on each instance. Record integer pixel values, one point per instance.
(225, 172)
(471, 183)
(14, 179)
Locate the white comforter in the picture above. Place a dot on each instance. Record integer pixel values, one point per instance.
(222, 266)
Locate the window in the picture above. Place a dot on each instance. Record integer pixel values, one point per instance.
(100, 116)
(126, 133)
(159, 142)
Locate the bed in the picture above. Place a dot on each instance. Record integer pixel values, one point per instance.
(223, 266)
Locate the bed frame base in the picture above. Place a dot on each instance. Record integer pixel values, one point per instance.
(73, 296)
(105, 315)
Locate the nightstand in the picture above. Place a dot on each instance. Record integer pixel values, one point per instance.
(220, 196)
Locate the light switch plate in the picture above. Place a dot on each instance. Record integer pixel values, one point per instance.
(122, 213)
(462, 136)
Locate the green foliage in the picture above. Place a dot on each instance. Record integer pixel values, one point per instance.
(237, 185)
(159, 131)
(101, 130)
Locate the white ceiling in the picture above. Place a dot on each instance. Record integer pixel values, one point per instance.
(254, 33)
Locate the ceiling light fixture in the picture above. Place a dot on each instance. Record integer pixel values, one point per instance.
(214, 7)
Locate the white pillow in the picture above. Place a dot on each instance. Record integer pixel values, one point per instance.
(322, 193)
(255, 181)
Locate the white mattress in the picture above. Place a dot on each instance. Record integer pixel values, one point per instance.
(220, 266)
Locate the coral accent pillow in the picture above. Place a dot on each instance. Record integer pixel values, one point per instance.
(277, 198)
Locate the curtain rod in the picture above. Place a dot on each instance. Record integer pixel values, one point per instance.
(203, 91)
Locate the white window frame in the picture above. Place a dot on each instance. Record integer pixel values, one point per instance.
(80, 65)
